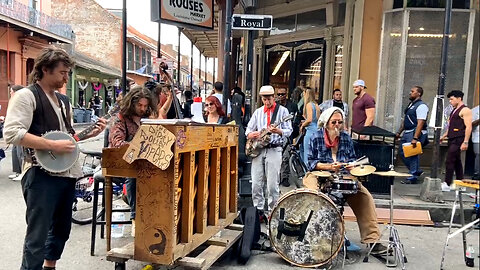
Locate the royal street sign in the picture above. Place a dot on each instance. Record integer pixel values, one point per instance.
(252, 22)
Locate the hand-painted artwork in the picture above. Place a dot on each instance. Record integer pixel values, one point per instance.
(181, 139)
(306, 228)
(155, 240)
(153, 143)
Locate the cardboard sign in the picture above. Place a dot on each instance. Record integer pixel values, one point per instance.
(153, 143)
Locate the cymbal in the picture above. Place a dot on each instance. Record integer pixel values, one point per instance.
(321, 173)
(363, 170)
(393, 173)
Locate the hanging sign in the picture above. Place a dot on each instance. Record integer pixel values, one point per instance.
(184, 13)
(252, 22)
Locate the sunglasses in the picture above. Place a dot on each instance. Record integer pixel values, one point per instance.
(281, 94)
(334, 122)
(209, 104)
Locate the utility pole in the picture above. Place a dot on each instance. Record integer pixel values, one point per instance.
(441, 89)
(227, 53)
(124, 47)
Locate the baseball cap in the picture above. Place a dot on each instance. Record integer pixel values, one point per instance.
(359, 83)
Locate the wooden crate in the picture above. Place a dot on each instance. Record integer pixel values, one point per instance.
(180, 208)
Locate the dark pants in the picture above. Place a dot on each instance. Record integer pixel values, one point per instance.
(131, 186)
(17, 158)
(454, 161)
(49, 202)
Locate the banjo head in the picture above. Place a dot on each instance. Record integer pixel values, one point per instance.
(323, 234)
(57, 162)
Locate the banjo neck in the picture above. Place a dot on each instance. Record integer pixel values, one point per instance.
(80, 136)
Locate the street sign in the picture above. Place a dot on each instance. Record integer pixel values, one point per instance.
(252, 22)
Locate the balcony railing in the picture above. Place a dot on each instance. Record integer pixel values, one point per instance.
(33, 17)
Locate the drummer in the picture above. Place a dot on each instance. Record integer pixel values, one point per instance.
(330, 149)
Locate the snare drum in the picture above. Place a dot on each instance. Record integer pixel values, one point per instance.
(344, 186)
(306, 228)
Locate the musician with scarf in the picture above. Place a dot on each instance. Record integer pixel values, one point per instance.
(268, 163)
(331, 148)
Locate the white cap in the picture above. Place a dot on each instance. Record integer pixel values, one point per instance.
(266, 90)
(327, 114)
(359, 83)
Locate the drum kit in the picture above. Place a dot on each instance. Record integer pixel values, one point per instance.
(306, 226)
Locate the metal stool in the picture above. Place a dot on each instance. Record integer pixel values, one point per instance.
(99, 218)
(458, 197)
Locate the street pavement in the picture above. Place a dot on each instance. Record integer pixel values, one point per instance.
(423, 245)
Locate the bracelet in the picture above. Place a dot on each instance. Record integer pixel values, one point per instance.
(466, 143)
(416, 139)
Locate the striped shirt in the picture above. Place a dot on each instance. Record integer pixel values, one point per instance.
(259, 122)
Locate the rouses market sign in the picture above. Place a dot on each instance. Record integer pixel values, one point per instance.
(184, 13)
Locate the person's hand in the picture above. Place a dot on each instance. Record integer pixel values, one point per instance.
(62, 146)
(397, 136)
(302, 128)
(464, 147)
(336, 166)
(276, 130)
(442, 139)
(99, 127)
(414, 143)
(254, 135)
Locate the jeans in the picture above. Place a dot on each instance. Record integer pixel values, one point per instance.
(131, 186)
(413, 162)
(49, 202)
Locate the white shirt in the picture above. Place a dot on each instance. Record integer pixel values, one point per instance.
(19, 118)
(259, 122)
(475, 133)
(220, 97)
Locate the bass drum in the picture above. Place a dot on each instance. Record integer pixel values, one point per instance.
(306, 228)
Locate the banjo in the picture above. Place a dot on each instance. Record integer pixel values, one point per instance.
(254, 146)
(56, 163)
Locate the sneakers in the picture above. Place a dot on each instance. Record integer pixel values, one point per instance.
(418, 173)
(285, 182)
(379, 249)
(18, 178)
(11, 176)
(445, 187)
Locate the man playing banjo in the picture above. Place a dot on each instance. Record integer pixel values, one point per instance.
(267, 164)
(331, 148)
(32, 112)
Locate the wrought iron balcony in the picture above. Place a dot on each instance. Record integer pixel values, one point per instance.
(33, 17)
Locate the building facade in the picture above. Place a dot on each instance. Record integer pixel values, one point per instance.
(26, 28)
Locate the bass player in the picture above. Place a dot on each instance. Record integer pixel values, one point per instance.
(267, 164)
(32, 112)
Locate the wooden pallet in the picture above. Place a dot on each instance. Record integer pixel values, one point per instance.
(400, 216)
(217, 246)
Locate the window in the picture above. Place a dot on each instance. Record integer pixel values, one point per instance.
(149, 62)
(283, 25)
(460, 4)
(138, 63)
(130, 57)
(144, 57)
(316, 18)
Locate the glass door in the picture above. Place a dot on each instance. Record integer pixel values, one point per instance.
(310, 63)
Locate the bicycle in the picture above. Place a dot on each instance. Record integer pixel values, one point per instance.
(83, 202)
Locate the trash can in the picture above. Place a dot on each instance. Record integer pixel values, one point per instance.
(78, 114)
(378, 145)
(87, 117)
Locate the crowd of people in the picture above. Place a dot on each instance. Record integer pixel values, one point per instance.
(327, 144)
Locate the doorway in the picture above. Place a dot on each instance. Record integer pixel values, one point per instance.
(296, 63)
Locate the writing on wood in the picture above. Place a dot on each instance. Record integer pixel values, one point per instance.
(153, 143)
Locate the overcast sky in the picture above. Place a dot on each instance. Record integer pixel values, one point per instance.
(138, 16)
